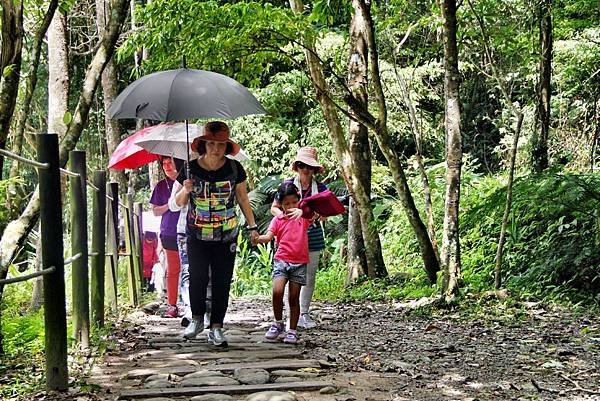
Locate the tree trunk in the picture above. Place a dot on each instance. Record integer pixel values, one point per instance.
(540, 149)
(37, 296)
(414, 125)
(380, 130)
(58, 75)
(451, 239)
(508, 205)
(17, 230)
(359, 146)
(30, 87)
(10, 66)
(109, 92)
(375, 264)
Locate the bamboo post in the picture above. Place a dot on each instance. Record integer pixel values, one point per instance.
(138, 237)
(98, 248)
(135, 261)
(131, 285)
(79, 244)
(112, 245)
(51, 229)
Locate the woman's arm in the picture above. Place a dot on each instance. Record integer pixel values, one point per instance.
(173, 206)
(276, 208)
(183, 196)
(160, 210)
(241, 194)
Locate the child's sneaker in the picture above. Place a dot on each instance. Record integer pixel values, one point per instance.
(171, 311)
(291, 337)
(274, 331)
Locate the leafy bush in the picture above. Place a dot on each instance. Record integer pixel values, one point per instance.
(552, 239)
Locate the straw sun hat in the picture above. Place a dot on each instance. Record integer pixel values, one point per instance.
(308, 156)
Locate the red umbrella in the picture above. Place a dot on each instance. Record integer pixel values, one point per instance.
(129, 155)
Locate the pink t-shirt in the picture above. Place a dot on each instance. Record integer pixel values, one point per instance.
(292, 239)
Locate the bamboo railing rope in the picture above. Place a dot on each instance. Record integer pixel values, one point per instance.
(26, 277)
(24, 160)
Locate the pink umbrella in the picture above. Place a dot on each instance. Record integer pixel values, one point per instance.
(128, 155)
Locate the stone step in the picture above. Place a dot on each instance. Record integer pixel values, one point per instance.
(201, 355)
(234, 389)
(226, 367)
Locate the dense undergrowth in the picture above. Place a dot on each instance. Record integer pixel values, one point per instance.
(551, 251)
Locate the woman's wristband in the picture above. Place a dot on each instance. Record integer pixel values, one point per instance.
(252, 228)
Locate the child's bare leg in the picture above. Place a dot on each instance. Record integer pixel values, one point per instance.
(278, 289)
(294, 301)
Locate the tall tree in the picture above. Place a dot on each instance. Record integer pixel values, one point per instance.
(451, 236)
(30, 86)
(379, 126)
(58, 75)
(540, 148)
(358, 138)
(10, 66)
(17, 230)
(109, 93)
(375, 264)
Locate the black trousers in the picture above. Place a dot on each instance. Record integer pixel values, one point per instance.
(219, 257)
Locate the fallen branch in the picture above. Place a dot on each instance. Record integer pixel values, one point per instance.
(578, 387)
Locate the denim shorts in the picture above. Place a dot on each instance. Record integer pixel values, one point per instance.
(294, 272)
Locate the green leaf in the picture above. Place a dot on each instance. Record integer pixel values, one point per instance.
(9, 69)
(67, 118)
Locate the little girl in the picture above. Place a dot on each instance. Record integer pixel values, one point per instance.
(289, 264)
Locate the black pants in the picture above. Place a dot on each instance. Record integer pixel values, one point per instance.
(219, 257)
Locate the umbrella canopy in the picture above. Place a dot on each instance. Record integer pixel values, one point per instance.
(128, 155)
(183, 94)
(172, 140)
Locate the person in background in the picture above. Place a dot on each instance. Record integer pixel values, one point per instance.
(149, 249)
(184, 276)
(168, 229)
(306, 165)
(290, 260)
(214, 184)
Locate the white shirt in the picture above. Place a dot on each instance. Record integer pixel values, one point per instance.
(182, 222)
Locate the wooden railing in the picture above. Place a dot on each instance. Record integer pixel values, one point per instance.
(91, 289)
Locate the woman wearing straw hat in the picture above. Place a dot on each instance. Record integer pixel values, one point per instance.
(214, 184)
(306, 165)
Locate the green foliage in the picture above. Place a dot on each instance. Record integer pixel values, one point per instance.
(252, 274)
(243, 39)
(552, 239)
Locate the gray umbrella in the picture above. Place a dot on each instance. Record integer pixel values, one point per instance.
(183, 94)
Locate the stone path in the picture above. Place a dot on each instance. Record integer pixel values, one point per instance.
(156, 364)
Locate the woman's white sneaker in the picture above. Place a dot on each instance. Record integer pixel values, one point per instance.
(306, 322)
(217, 338)
(194, 328)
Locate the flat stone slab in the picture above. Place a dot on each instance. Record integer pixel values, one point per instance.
(285, 379)
(160, 376)
(159, 399)
(212, 397)
(209, 381)
(158, 384)
(203, 373)
(230, 367)
(271, 396)
(240, 389)
(293, 373)
(251, 376)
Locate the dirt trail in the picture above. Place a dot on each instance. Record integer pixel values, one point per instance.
(369, 351)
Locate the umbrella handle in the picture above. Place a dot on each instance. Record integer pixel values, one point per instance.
(187, 142)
